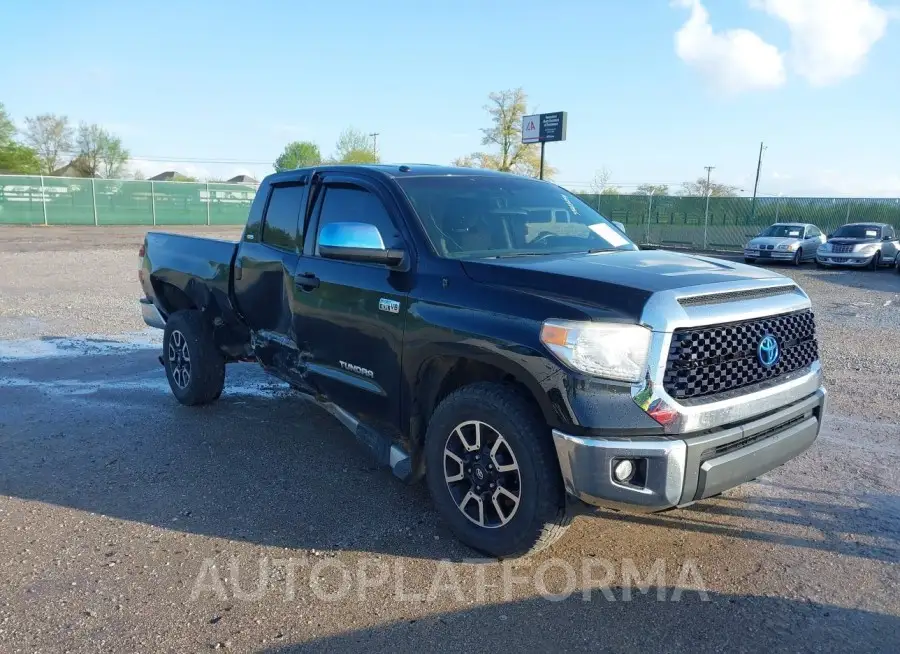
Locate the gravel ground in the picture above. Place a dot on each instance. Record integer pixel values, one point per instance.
(128, 522)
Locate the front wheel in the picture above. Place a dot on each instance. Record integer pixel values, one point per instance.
(875, 262)
(194, 365)
(492, 471)
(798, 257)
(897, 263)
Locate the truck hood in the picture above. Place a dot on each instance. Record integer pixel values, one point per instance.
(617, 281)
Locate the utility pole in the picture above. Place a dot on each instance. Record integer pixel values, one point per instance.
(374, 136)
(756, 184)
(709, 170)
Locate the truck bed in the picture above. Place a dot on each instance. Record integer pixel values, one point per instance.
(179, 271)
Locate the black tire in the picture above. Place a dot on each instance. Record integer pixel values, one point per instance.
(876, 261)
(897, 264)
(798, 257)
(205, 370)
(540, 516)
(748, 260)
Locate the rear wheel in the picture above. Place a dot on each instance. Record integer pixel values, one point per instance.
(194, 365)
(492, 471)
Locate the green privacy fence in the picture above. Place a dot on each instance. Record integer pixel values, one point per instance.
(729, 223)
(35, 200)
(661, 220)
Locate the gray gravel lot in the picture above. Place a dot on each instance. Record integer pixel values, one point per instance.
(115, 503)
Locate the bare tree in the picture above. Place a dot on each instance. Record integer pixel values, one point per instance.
(701, 188)
(600, 181)
(51, 137)
(506, 109)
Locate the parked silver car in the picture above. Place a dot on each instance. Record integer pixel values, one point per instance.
(860, 245)
(794, 242)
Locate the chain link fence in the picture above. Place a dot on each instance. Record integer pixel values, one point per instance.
(649, 220)
(37, 200)
(729, 222)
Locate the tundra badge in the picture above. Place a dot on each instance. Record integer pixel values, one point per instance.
(359, 370)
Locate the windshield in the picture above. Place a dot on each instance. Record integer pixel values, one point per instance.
(857, 231)
(783, 231)
(486, 216)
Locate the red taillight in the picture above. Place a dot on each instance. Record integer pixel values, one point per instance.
(142, 250)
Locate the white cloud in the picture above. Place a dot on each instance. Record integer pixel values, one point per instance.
(829, 38)
(733, 61)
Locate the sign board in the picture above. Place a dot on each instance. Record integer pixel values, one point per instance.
(540, 128)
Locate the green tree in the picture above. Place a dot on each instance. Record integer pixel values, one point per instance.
(298, 154)
(506, 109)
(19, 159)
(701, 188)
(359, 156)
(611, 190)
(113, 157)
(51, 137)
(7, 128)
(654, 189)
(99, 152)
(354, 146)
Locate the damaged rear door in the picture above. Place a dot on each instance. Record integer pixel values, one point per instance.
(264, 284)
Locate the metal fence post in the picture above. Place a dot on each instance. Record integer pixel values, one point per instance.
(847, 220)
(44, 200)
(208, 202)
(153, 202)
(94, 198)
(649, 214)
(706, 220)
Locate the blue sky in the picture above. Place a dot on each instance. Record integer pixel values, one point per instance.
(655, 89)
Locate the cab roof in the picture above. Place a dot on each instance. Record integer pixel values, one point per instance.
(394, 171)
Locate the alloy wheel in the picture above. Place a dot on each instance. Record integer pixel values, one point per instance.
(482, 474)
(179, 359)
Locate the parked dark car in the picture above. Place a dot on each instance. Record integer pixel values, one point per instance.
(498, 337)
(860, 245)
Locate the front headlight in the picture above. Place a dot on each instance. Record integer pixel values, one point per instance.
(825, 247)
(787, 246)
(607, 350)
(867, 249)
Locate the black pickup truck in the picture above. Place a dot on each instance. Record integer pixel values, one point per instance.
(498, 337)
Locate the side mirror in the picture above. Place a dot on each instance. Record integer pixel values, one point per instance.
(361, 242)
(830, 235)
(887, 238)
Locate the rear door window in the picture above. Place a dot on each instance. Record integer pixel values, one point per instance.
(280, 227)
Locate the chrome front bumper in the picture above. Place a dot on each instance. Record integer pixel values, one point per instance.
(842, 259)
(785, 255)
(678, 471)
(151, 314)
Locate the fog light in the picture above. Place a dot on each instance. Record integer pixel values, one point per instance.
(624, 470)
